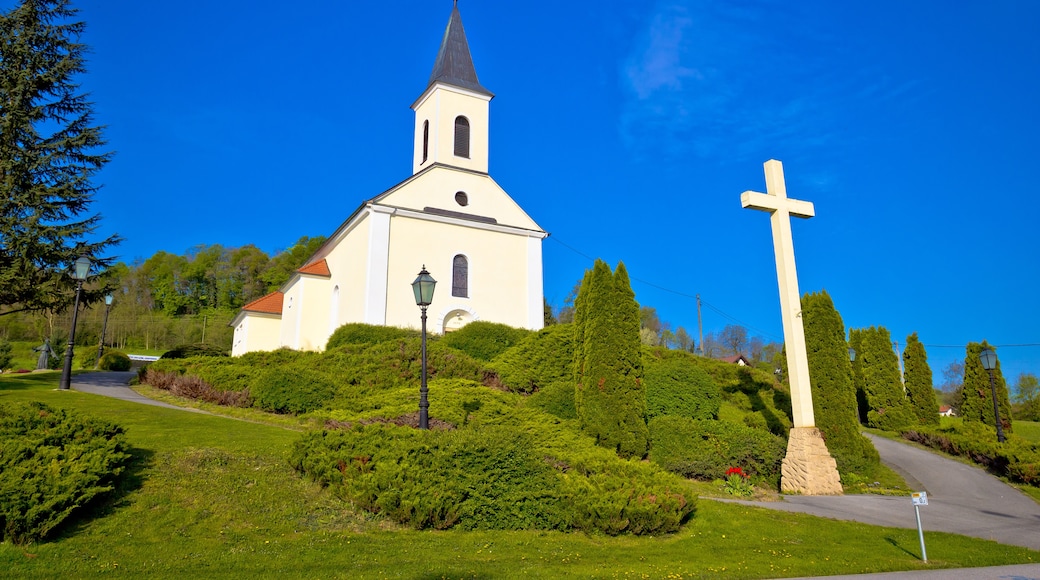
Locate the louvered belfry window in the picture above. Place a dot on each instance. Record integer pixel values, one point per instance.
(460, 277)
(462, 137)
(425, 140)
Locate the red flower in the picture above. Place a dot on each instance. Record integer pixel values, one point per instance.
(736, 471)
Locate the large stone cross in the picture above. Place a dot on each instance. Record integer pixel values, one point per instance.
(781, 208)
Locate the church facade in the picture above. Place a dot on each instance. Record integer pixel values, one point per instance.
(450, 216)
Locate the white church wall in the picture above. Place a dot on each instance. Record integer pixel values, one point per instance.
(257, 331)
(497, 293)
(348, 265)
(313, 317)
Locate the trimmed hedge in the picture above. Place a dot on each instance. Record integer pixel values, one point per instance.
(707, 449)
(192, 350)
(360, 333)
(1016, 458)
(292, 389)
(114, 360)
(484, 340)
(52, 462)
(677, 386)
(542, 358)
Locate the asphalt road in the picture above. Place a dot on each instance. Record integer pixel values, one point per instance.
(962, 499)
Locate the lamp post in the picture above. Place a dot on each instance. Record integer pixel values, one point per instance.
(104, 328)
(423, 288)
(989, 362)
(80, 269)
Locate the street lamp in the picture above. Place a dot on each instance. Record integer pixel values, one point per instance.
(80, 269)
(423, 289)
(989, 362)
(104, 328)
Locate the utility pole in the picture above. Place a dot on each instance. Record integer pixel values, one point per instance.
(700, 326)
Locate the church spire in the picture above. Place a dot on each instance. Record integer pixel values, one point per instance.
(454, 64)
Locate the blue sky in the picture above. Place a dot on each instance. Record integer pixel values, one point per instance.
(628, 130)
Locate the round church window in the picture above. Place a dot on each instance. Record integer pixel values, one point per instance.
(461, 198)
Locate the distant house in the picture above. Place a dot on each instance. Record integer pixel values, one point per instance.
(947, 411)
(737, 359)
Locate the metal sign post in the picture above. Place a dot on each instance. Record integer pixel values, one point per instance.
(919, 499)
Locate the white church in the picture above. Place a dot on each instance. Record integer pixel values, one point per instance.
(450, 216)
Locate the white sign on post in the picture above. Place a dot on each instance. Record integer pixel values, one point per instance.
(919, 499)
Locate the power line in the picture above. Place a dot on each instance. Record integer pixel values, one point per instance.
(676, 292)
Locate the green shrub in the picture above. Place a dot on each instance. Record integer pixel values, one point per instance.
(677, 386)
(556, 398)
(5, 354)
(485, 340)
(193, 350)
(52, 462)
(360, 333)
(293, 389)
(86, 357)
(706, 449)
(540, 359)
(114, 360)
(1016, 458)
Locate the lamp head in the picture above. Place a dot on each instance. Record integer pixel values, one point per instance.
(988, 358)
(852, 355)
(423, 287)
(108, 300)
(80, 268)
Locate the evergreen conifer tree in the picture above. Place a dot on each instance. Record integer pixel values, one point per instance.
(834, 398)
(48, 155)
(888, 407)
(976, 396)
(918, 380)
(858, 382)
(610, 399)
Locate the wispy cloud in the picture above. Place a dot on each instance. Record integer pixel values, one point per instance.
(733, 79)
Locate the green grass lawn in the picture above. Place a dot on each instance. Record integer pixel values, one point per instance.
(1028, 430)
(211, 496)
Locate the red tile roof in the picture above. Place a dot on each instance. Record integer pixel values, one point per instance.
(319, 268)
(270, 304)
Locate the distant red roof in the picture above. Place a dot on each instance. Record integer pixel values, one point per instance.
(270, 304)
(319, 268)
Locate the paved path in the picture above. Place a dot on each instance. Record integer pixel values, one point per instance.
(115, 384)
(962, 499)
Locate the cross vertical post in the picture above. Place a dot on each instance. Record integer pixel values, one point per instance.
(781, 208)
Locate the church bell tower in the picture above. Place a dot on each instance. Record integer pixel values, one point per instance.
(451, 115)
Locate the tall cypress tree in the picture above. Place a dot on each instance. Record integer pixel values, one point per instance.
(834, 398)
(917, 377)
(610, 399)
(976, 396)
(889, 409)
(48, 155)
(858, 382)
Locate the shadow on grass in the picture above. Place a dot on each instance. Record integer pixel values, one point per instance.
(895, 543)
(29, 381)
(129, 481)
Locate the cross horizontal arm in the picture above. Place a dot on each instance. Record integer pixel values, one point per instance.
(771, 203)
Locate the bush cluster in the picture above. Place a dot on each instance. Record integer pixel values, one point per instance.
(1016, 458)
(485, 340)
(542, 358)
(491, 477)
(360, 333)
(295, 389)
(192, 387)
(52, 462)
(192, 350)
(114, 360)
(706, 449)
(677, 386)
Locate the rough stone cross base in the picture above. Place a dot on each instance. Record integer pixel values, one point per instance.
(808, 467)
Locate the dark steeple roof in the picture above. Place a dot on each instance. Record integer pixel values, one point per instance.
(454, 65)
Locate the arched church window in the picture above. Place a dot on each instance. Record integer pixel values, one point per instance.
(460, 276)
(425, 140)
(461, 137)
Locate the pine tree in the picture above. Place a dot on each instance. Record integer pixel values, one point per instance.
(918, 381)
(888, 407)
(834, 398)
(609, 398)
(976, 396)
(48, 155)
